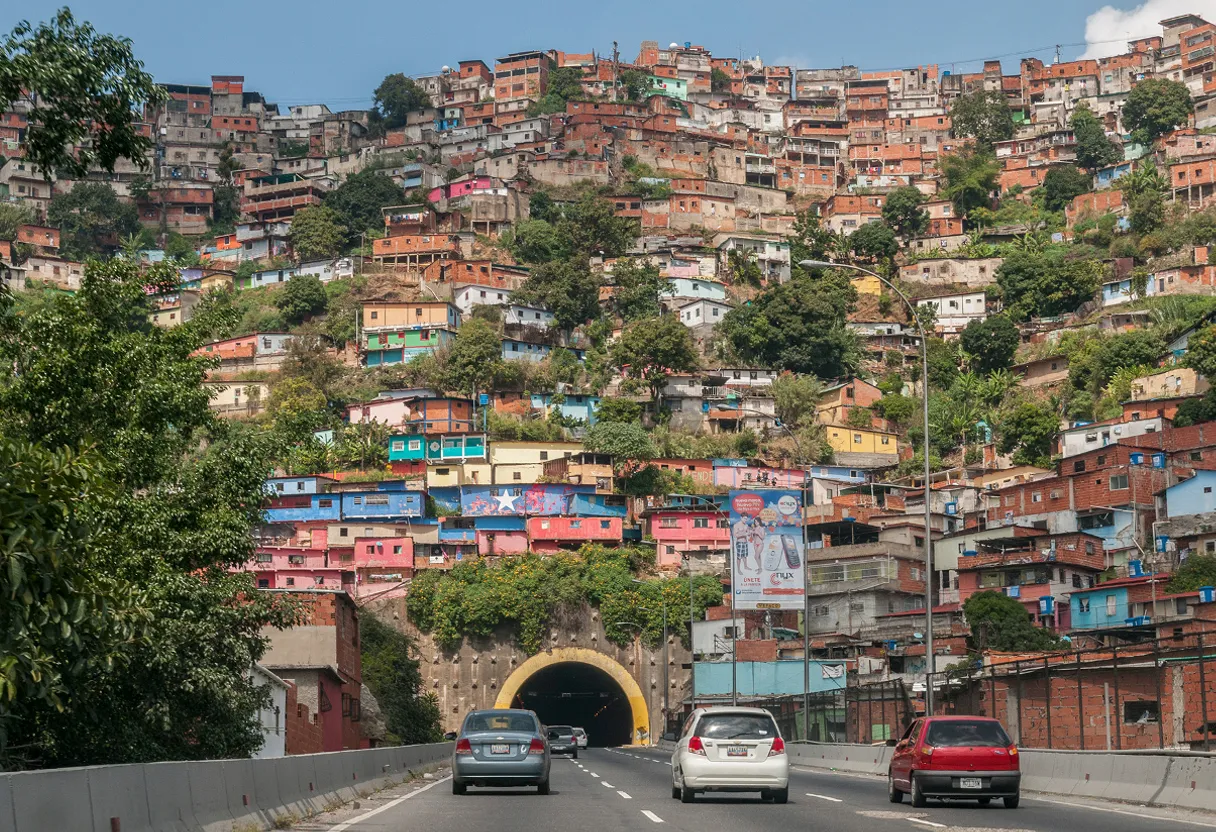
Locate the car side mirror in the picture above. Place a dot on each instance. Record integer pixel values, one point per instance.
(893, 743)
(450, 735)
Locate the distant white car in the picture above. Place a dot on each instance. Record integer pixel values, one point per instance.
(726, 749)
(581, 736)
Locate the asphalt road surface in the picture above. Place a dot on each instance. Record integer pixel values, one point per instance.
(626, 789)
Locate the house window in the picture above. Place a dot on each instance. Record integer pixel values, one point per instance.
(668, 523)
(1118, 482)
(576, 524)
(291, 581)
(857, 439)
(517, 475)
(1036, 496)
(671, 550)
(1076, 580)
(326, 503)
(1141, 712)
(1196, 456)
(398, 444)
(723, 523)
(344, 532)
(1101, 459)
(544, 456)
(1078, 466)
(1083, 605)
(700, 523)
(1112, 606)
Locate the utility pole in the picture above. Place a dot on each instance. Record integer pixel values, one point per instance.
(616, 71)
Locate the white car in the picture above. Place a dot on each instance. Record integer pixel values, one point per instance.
(724, 749)
(581, 736)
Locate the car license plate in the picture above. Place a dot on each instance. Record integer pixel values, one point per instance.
(970, 783)
(736, 751)
(506, 749)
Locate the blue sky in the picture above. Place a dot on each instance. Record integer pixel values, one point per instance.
(311, 51)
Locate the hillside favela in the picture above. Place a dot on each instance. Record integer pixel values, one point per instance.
(645, 434)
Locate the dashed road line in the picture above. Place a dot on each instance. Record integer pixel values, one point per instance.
(924, 822)
(593, 774)
(607, 784)
(825, 797)
(652, 816)
(625, 795)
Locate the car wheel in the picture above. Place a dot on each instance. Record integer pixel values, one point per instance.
(893, 794)
(459, 788)
(675, 792)
(575, 754)
(687, 795)
(766, 796)
(781, 795)
(918, 796)
(542, 787)
(984, 801)
(1013, 801)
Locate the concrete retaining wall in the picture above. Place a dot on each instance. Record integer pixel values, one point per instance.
(1175, 780)
(208, 796)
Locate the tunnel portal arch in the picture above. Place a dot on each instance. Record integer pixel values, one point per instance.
(577, 655)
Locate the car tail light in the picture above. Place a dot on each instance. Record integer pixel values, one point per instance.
(537, 746)
(464, 747)
(695, 746)
(1013, 751)
(777, 748)
(926, 751)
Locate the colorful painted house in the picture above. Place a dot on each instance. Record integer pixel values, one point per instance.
(436, 448)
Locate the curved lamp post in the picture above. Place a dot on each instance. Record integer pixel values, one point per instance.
(924, 375)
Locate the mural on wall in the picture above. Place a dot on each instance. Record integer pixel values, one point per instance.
(537, 500)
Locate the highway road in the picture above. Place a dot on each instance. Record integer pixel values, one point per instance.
(626, 789)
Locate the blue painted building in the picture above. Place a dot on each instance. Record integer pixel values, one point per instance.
(457, 448)
(282, 486)
(598, 505)
(324, 507)
(384, 505)
(1194, 496)
(1106, 606)
(571, 407)
(780, 678)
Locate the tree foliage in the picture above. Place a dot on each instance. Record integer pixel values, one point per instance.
(81, 89)
(1156, 106)
(13, 217)
(1061, 185)
(971, 175)
(624, 441)
(394, 676)
(1048, 282)
(397, 97)
(639, 287)
(565, 287)
(991, 343)
(302, 298)
(651, 350)
(1001, 623)
(1094, 149)
(903, 214)
(358, 202)
(798, 326)
(983, 115)
(1029, 432)
(1144, 191)
(875, 242)
(91, 219)
(316, 233)
(474, 357)
(1196, 572)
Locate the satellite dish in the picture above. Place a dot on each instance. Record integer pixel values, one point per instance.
(918, 636)
(445, 70)
(674, 46)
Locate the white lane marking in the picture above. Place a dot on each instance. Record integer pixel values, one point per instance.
(624, 794)
(927, 823)
(607, 784)
(1169, 818)
(652, 816)
(825, 797)
(593, 774)
(348, 824)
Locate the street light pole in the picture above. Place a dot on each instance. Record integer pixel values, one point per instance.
(924, 376)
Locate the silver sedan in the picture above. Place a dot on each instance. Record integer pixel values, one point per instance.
(501, 748)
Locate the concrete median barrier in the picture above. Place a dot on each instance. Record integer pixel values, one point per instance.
(169, 805)
(119, 792)
(1190, 783)
(52, 799)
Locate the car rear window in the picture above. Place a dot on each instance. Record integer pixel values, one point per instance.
(962, 732)
(499, 722)
(562, 731)
(736, 727)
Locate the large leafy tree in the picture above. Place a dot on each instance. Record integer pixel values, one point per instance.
(566, 287)
(565, 84)
(1094, 149)
(998, 622)
(1201, 352)
(593, 228)
(874, 241)
(302, 298)
(902, 212)
(971, 175)
(397, 97)
(170, 512)
(624, 441)
(1061, 185)
(474, 357)
(1029, 432)
(358, 202)
(1044, 283)
(91, 219)
(653, 349)
(983, 115)
(1155, 107)
(639, 286)
(13, 217)
(798, 326)
(991, 343)
(317, 233)
(1195, 572)
(394, 676)
(1144, 191)
(82, 90)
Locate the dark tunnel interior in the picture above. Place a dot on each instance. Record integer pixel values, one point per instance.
(583, 696)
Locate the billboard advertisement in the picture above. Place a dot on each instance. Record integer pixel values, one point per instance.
(769, 567)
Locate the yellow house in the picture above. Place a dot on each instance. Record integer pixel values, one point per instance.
(525, 461)
(410, 315)
(847, 440)
(867, 285)
(217, 280)
(441, 474)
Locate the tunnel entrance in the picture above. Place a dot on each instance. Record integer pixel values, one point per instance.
(582, 695)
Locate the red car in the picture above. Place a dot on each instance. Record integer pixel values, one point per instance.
(956, 757)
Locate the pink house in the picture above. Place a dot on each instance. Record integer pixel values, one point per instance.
(758, 477)
(678, 531)
(293, 567)
(552, 534)
(502, 542)
(455, 190)
(386, 411)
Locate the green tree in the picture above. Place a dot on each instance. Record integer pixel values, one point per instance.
(90, 219)
(565, 84)
(1156, 106)
(635, 83)
(991, 343)
(397, 97)
(1001, 623)
(1029, 432)
(1061, 185)
(744, 268)
(902, 212)
(474, 357)
(358, 202)
(593, 228)
(623, 441)
(875, 242)
(537, 241)
(812, 241)
(943, 363)
(394, 677)
(542, 207)
(1094, 149)
(799, 326)
(302, 298)
(971, 175)
(316, 233)
(653, 349)
(1144, 191)
(795, 398)
(639, 287)
(719, 81)
(565, 287)
(173, 510)
(1046, 283)
(13, 217)
(1201, 352)
(1196, 572)
(612, 409)
(298, 408)
(80, 89)
(984, 115)
(897, 408)
(179, 249)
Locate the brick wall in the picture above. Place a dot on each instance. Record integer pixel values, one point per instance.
(303, 729)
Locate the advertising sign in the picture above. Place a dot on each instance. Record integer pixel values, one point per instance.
(768, 571)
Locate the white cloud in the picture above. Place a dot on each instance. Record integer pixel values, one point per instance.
(1108, 29)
